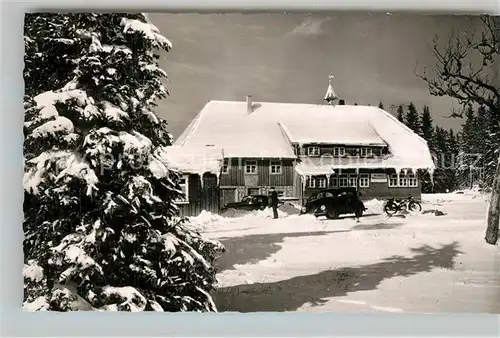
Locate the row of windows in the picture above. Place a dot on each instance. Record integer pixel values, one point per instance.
(339, 151)
(409, 180)
(342, 181)
(252, 168)
(361, 181)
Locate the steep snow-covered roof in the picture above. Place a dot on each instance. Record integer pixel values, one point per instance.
(268, 130)
(229, 126)
(193, 159)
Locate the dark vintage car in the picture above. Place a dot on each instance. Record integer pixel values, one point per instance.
(334, 202)
(250, 203)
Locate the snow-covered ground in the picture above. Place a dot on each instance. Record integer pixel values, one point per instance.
(422, 263)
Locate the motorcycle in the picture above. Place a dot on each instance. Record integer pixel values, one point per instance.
(393, 205)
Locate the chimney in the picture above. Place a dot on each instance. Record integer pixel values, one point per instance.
(249, 104)
(341, 102)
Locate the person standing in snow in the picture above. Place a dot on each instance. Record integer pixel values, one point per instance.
(274, 202)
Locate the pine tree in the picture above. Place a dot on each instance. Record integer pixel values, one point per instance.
(452, 77)
(427, 125)
(467, 148)
(381, 105)
(412, 119)
(452, 153)
(102, 228)
(445, 150)
(428, 135)
(401, 113)
(488, 137)
(440, 148)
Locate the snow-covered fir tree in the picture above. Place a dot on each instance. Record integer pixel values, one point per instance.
(401, 113)
(489, 134)
(428, 135)
(479, 146)
(412, 119)
(469, 150)
(427, 125)
(102, 228)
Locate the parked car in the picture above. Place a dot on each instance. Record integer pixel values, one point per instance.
(334, 202)
(250, 203)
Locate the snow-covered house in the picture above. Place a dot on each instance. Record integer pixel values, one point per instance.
(302, 148)
(200, 167)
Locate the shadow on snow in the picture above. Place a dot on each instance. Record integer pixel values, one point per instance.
(289, 295)
(251, 249)
(254, 248)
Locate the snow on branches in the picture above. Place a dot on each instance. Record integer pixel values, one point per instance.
(102, 228)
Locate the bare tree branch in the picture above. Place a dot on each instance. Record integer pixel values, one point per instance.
(466, 65)
(467, 69)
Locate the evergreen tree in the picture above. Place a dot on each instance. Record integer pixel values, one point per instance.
(427, 125)
(469, 149)
(401, 113)
(479, 146)
(102, 228)
(428, 135)
(488, 137)
(412, 119)
(445, 173)
(451, 155)
(452, 77)
(381, 105)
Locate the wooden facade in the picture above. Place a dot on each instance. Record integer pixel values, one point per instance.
(370, 183)
(201, 196)
(295, 124)
(236, 181)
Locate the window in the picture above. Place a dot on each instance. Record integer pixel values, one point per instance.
(393, 180)
(275, 167)
(364, 180)
(353, 180)
(343, 181)
(225, 166)
(412, 180)
(313, 151)
(280, 193)
(366, 152)
(184, 184)
(338, 151)
(251, 167)
(334, 181)
(408, 180)
(312, 183)
(321, 182)
(403, 181)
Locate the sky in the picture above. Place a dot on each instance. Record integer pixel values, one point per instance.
(283, 57)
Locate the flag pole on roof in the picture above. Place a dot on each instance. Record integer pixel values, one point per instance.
(330, 96)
